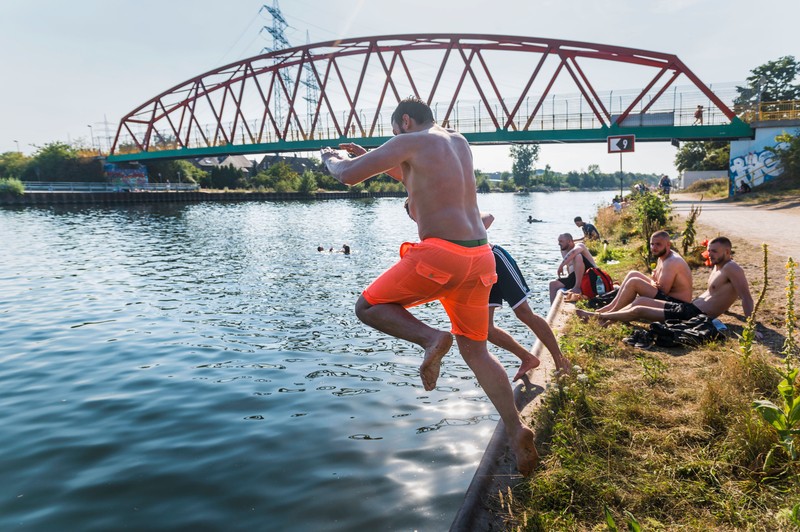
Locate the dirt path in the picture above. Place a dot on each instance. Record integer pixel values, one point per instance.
(748, 226)
(778, 225)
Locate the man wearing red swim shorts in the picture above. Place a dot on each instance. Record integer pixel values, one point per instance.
(453, 262)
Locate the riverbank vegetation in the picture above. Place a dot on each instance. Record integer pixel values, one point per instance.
(671, 438)
(709, 188)
(59, 162)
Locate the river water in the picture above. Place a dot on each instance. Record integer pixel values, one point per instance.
(199, 366)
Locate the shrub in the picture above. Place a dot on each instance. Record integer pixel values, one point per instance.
(12, 186)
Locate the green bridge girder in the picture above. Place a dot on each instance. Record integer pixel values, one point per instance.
(737, 129)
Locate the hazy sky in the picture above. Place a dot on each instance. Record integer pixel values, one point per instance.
(68, 65)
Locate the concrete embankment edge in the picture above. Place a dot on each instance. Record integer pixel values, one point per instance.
(497, 469)
(122, 198)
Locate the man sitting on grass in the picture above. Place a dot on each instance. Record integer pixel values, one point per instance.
(671, 280)
(726, 283)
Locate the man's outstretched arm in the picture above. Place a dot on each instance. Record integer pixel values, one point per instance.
(382, 159)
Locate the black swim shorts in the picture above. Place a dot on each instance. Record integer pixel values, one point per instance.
(510, 285)
(661, 296)
(680, 310)
(568, 281)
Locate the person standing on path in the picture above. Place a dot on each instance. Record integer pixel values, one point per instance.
(453, 263)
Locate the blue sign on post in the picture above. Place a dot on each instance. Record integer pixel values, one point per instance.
(621, 143)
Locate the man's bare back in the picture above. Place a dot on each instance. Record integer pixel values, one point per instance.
(441, 185)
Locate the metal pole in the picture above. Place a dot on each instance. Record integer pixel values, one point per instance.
(91, 133)
(17, 142)
(620, 176)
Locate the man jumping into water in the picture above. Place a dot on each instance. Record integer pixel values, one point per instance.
(453, 262)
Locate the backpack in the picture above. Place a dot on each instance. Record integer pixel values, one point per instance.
(602, 301)
(595, 282)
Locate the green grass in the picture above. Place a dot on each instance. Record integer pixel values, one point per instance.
(668, 436)
(672, 440)
(785, 188)
(709, 188)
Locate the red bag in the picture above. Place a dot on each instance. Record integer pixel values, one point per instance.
(596, 282)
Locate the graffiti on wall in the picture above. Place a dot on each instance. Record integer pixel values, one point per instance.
(754, 168)
(126, 177)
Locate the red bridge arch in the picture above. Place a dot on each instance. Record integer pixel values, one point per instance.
(302, 97)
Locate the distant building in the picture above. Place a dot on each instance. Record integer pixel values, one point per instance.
(298, 164)
(240, 162)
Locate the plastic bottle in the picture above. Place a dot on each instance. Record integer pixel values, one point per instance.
(600, 286)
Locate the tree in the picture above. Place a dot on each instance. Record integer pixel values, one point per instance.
(788, 153)
(308, 183)
(12, 164)
(774, 80)
(525, 157)
(709, 155)
(58, 161)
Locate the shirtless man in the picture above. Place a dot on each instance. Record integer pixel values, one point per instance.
(726, 283)
(671, 280)
(453, 262)
(576, 259)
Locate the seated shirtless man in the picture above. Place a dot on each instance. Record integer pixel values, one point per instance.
(671, 280)
(577, 259)
(453, 263)
(726, 283)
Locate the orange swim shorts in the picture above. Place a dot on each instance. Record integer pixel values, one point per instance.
(460, 277)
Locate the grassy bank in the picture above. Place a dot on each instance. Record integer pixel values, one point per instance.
(668, 437)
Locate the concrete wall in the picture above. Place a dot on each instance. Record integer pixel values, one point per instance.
(751, 163)
(689, 177)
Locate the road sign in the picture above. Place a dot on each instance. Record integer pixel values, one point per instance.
(621, 143)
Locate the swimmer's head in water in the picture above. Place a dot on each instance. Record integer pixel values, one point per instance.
(416, 109)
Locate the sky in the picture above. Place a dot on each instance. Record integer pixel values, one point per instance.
(71, 65)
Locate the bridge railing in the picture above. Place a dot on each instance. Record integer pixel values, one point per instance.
(465, 117)
(87, 186)
(779, 110)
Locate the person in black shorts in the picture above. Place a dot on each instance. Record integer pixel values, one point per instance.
(512, 288)
(572, 281)
(727, 283)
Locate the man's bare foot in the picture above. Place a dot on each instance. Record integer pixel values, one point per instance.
(531, 362)
(429, 369)
(584, 315)
(525, 451)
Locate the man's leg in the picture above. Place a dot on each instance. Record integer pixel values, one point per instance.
(544, 333)
(395, 320)
(642, 309)
(555, 286)
(492, 378)
(629, 290)
(502, 339)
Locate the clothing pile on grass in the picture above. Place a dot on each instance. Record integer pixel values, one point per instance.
(693, 332)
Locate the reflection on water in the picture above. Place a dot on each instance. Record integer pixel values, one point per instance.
(178, 366)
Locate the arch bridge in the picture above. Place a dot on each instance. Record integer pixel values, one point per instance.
(494, 89)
